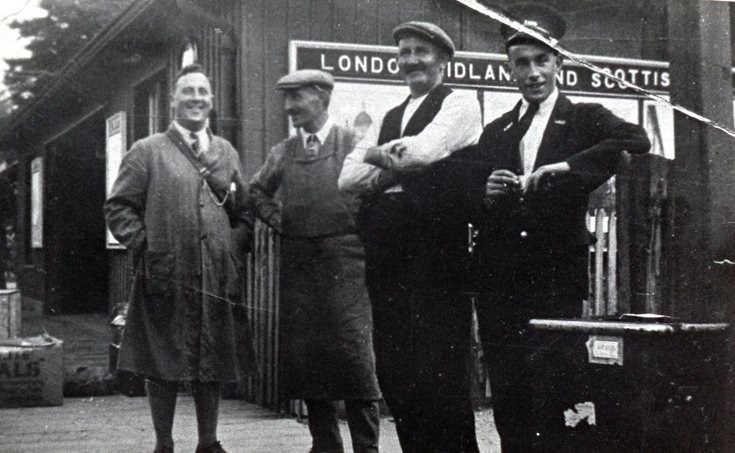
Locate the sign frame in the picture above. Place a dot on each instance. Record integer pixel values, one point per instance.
(357, 68)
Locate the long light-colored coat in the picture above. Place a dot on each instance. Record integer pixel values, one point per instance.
(185, 319)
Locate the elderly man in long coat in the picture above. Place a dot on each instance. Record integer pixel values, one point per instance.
(326, 349)
(173, 206)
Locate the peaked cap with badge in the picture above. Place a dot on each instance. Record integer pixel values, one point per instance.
(540, 18)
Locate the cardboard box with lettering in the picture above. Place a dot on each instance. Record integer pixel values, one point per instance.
(9, 313)
(31, 372)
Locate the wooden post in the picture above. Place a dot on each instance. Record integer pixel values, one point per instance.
(703, 173)
(702, 245)
(641, 194)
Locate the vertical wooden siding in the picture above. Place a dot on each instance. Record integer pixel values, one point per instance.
(262, 299)
(121, 273)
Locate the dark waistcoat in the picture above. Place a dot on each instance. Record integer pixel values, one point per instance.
(391, 128)
(442, 223)
(414, 182)
(423, 187)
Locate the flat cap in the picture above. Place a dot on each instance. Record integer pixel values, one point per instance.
(427, 31)
(538, 17)
(306, 77)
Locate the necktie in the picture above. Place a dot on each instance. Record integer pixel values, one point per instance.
(519, 131)
(195, 146)
(312, 145)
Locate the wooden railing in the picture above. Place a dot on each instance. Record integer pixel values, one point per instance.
(602, 297)
(627, 219)
(262, 300)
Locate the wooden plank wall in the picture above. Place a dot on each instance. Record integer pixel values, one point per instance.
(269, 25)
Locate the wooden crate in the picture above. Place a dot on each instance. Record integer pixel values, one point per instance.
(31, 372)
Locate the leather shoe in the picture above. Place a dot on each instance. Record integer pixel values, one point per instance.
(213, 448)
(331, 450)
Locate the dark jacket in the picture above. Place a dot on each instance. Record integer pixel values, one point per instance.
(589, 138)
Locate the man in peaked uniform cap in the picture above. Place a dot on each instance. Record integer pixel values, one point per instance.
(422, 322)
(539, 18)
(530, 177)
(326, 349)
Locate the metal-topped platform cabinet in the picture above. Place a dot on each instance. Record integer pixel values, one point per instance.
(645, 384)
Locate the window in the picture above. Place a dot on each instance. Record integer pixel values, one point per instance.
(150, 107)
(190, 53)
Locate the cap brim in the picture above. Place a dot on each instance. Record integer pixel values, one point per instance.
(294, 86)
(287, 86)
(408, 30)
(520, 37)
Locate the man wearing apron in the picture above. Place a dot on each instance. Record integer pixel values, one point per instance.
(326, 349)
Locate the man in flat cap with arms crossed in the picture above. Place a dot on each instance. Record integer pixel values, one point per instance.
(538, 164)
(326, 349)
(422, 323)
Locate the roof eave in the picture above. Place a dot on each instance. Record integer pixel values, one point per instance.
(84, 56)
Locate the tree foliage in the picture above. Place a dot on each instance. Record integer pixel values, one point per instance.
(68, 27)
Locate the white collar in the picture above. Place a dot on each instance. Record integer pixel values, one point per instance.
(412, 106)
(186, 132)
(321, 134)
(544, 107)
(418, 100)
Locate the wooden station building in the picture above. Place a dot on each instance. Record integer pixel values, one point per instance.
(61, 152)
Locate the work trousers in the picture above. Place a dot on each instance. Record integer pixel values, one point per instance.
(363, 420)
(539, 285)
(421, 334)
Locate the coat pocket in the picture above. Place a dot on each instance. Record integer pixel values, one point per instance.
(232, 277)
(158, 272)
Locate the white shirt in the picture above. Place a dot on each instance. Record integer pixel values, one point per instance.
(321, 134)
(458, 124)
(411, 107)
(531, 142)
(202, 134)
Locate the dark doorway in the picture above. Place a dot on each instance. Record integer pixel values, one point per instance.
(8, 198)
(76, 259)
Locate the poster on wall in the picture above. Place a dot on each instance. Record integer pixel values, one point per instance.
(37, 203)
(115, 147)
(368, 83)
(658, 120)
